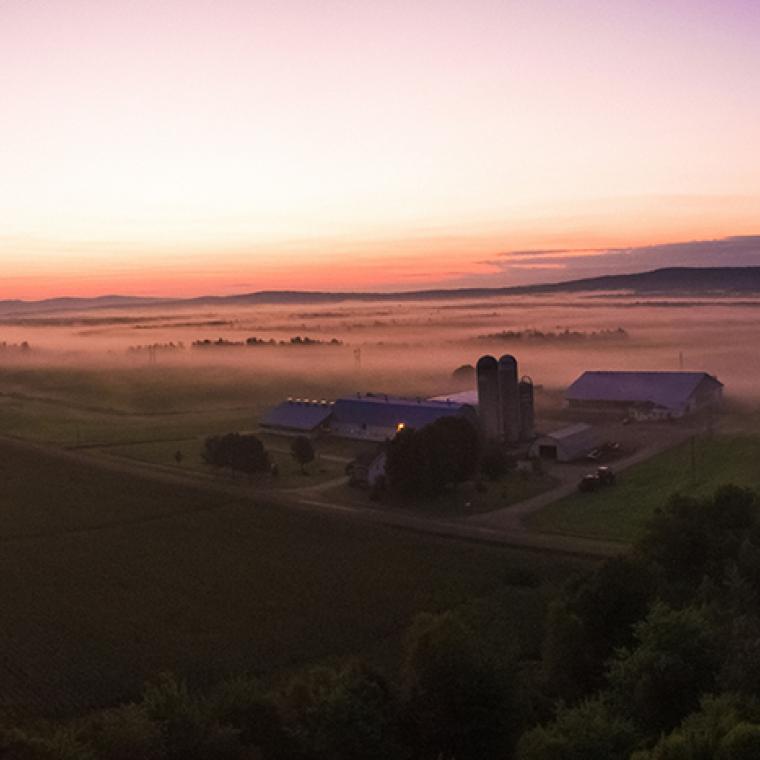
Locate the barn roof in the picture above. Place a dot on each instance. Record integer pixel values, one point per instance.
(389, 411)
(297, 415)
(666, 389)
(460, 397)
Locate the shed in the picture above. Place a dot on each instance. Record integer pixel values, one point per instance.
(567, 443)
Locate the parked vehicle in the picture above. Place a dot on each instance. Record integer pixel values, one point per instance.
(591, 482)
(605, 476)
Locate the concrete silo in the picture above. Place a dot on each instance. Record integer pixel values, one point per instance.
(509, 397)
(487, 371)
(527, 414)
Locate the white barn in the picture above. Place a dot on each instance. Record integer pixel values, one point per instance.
(566, 444)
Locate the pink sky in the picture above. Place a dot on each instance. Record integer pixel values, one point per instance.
(217, 146)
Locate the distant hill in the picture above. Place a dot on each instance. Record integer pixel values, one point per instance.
(74, 304)
(673, 280)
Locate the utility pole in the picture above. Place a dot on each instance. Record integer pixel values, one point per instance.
(680, 359)
(693, 457)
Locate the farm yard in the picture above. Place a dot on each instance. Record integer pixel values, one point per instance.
(110, 578)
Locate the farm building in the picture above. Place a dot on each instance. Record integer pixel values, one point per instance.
(378, 418)
(566, 444)
(368, 417)
(298, 416)
(368, 469)
(645, 395)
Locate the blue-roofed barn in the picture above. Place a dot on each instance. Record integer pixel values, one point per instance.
(298, 416)
(645, 394)
(378, 418)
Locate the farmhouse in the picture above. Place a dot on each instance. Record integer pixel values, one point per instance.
(375, 417)
(566, 444)
(645, 395)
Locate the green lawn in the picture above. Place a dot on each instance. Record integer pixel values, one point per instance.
(620, 513)
(109, 578)
(466, 499)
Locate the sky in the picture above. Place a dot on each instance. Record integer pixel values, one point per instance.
(159, 147)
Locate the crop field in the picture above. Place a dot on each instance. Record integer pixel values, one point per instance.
(620, 513)
(109, 578)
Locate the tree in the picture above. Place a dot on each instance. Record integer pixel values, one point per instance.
(126, 733)
(725, 727)
(406, 466)
(589, 731)
(242, 452)
(494, 461)
(565, 659)
(188, 729)
(741, 743)
(459, 702)
(340, 714)
(693, 538)
(244, 704)
(464, 373)
(673, 662)
(594, 617)
(302, 450)
(424, 462)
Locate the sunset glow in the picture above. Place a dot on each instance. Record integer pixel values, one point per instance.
(193, 147)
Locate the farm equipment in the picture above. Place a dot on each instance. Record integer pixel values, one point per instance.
(592, 482)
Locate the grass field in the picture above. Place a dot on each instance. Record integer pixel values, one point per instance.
(620, 513)
(290, 474)
(66, 425)
(109, 578)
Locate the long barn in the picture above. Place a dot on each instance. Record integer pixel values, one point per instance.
(645, 394)
(377, 417)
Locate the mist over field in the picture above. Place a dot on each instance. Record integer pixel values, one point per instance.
(103, 357)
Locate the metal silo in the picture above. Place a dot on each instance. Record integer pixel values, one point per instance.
(509, 396)
(487, 371)
(527, 414)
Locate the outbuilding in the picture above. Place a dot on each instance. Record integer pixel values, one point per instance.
(566, 444)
